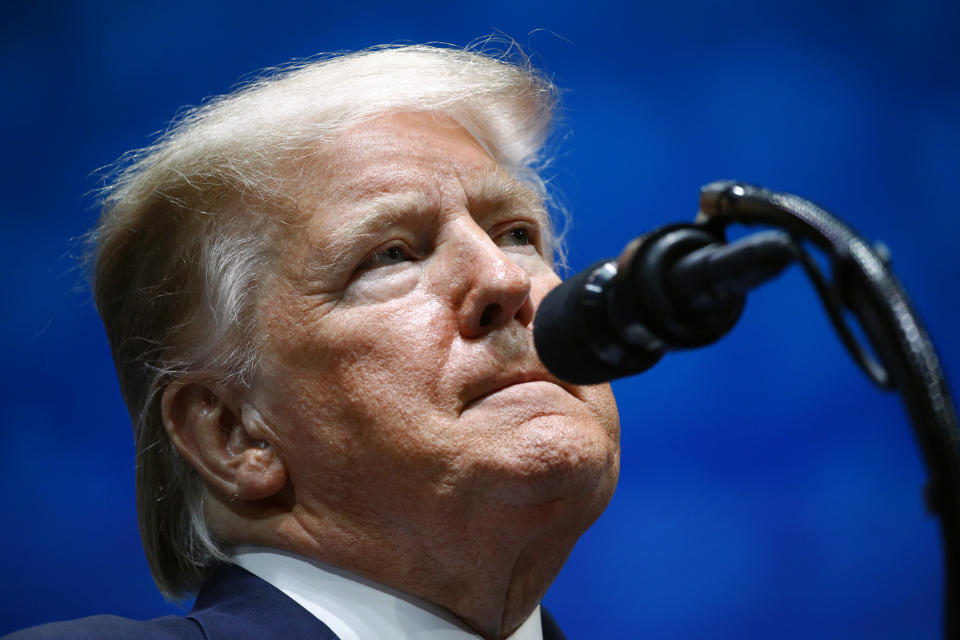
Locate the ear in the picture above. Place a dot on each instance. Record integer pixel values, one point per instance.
(229, 448)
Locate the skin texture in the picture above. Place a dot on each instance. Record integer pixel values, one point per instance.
(401, 425)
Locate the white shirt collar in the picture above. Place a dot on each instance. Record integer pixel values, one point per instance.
(359, 609)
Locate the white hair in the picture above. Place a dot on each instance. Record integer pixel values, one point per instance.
(187, 224)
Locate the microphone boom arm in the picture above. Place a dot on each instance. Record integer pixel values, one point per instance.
(864, 284)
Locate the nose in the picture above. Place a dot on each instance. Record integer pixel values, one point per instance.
(497, 289)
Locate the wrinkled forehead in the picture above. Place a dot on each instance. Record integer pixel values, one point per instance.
(401, 162)
(397, 151)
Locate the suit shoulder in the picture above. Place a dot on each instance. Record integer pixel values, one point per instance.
(113, 628)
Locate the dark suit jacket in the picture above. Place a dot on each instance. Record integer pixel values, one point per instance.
(233, 605)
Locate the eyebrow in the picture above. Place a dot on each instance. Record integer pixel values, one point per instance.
(498, 188)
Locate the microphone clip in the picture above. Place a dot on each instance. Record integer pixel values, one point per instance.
(661, 294)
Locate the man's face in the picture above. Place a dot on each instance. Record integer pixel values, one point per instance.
(400, 377)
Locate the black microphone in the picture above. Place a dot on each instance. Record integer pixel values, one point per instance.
(679, 287)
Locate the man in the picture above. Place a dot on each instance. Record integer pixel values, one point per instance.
(319, 291)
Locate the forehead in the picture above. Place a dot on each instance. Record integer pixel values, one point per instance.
(397, 152)
(400, 164)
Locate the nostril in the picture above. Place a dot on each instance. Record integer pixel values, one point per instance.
(490, 314)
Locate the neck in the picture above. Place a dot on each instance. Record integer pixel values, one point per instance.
(491, 572)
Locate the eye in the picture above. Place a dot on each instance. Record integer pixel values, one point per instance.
(394, 254)
(519, 237)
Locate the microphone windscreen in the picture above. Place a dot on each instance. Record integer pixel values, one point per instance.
(563, 338)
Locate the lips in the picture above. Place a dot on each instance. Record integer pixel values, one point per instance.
(503, 380)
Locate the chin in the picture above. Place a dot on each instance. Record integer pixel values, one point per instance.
(554, 459)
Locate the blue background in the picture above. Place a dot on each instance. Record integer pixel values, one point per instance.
(767, 491)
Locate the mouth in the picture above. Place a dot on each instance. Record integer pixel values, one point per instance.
(496, 384)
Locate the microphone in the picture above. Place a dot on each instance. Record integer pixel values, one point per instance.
(679, 287)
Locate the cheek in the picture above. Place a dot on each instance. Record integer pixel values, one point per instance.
(360, 362)
(410, 336)
(369, 327)
(601, 402)
(542, 281)
(370, 374)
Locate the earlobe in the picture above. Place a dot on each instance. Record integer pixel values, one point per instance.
(231, 449)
